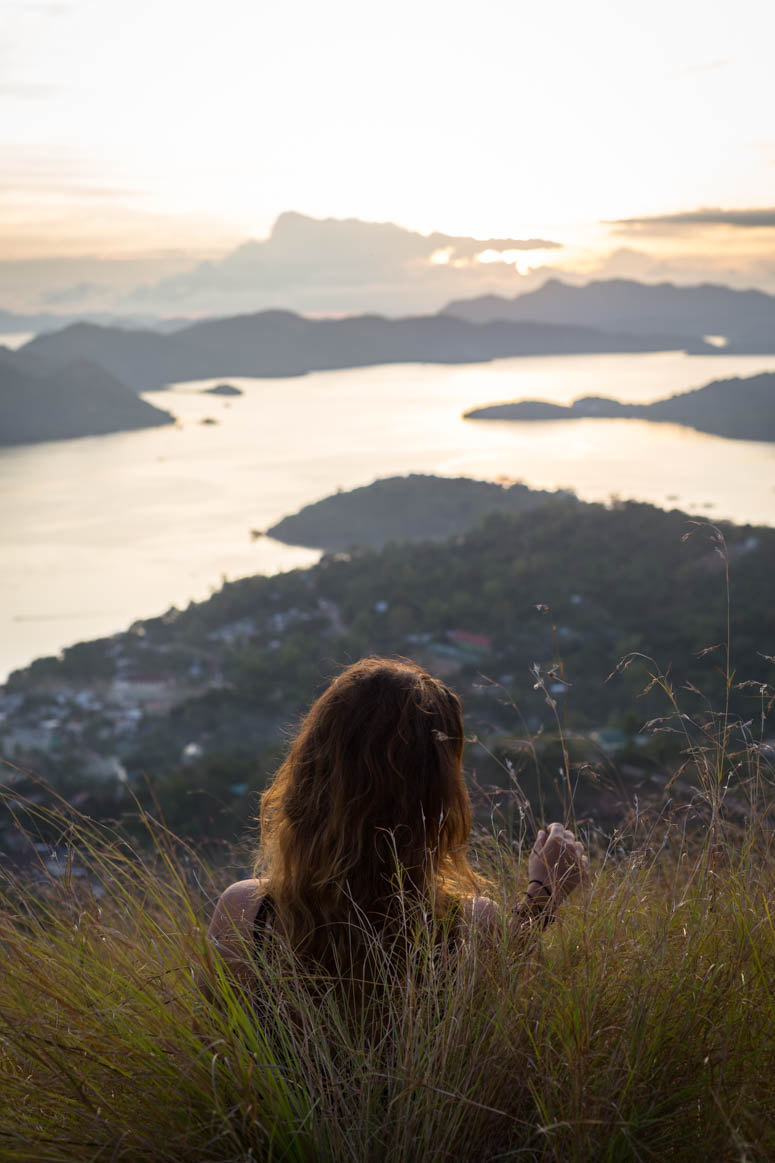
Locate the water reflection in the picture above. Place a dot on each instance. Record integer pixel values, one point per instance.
(97, 532)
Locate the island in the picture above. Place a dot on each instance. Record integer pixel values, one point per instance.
(411, 508)
(79, 399)
(223, 390)
(739, 409)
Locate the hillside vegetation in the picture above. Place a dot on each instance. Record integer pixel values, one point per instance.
(196, 705)
(411, 508)
(641, 1025)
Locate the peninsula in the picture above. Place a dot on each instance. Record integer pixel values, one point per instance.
(79, 399)
(740, 409)
(411, 508)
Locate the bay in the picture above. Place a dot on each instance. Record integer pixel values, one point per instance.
(97, 532)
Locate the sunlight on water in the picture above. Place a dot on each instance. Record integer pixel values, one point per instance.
(97, 532)
(13, 340)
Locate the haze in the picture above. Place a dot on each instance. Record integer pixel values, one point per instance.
(170, 131)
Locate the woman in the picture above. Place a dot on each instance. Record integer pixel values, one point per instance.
(366, 822)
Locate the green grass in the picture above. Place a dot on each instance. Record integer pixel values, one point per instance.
(640, 1026)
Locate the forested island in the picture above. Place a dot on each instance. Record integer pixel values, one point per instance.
(410, 508)
(738, 408)
(78, 399)
(193, 708)
(223, 390)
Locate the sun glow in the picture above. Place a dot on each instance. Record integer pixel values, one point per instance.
(523, 261)
(441, 257)
(170, 136)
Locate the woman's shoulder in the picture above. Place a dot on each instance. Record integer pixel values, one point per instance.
(242, 895)
(235, 910)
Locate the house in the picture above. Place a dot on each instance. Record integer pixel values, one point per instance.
(143, 690)
(234, 633)
(22, 739)
(471, 646)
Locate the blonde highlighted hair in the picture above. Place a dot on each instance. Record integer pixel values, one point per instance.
(369, 813)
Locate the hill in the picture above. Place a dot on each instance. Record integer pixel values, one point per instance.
(281, 343)
(412, 508)
(741, 409)
(79, 399)
(745, 318)
(201, 698)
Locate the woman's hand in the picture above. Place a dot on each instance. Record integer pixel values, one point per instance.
(556, 864)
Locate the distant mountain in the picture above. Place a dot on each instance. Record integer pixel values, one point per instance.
(742, 409)
(411, 508)
(745, 318)
(80, 399)
(44, 321)
(281, 343)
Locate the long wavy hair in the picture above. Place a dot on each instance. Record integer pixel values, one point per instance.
(368, 817)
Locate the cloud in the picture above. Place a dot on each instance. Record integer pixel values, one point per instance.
(343, 265)
(740, 271)
(38, 7)
(471, 247)
(28, 90)
(335, 266)
(30, 285)
(659, 223)
(74, 295)
(703, 67)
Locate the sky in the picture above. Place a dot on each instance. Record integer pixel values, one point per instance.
(155, 129)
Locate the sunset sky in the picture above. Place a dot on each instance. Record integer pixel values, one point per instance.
(159, 126)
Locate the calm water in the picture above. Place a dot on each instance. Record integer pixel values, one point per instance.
(97, 532)
(15, 339)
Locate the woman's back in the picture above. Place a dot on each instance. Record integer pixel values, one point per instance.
(364, 834)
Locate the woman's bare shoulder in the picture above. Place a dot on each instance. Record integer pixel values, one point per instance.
(235, 911)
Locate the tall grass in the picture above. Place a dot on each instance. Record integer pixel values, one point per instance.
(640, 1026)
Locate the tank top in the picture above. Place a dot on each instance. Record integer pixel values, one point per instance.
(262, 923)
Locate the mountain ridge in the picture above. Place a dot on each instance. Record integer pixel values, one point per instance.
(745, 318)
(279, 343)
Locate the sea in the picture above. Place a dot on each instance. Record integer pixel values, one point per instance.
(98, 532)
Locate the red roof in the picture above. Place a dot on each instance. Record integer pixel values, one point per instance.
(466, 638)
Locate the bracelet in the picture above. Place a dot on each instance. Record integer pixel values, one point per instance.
(546, 890)
(534, 909)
